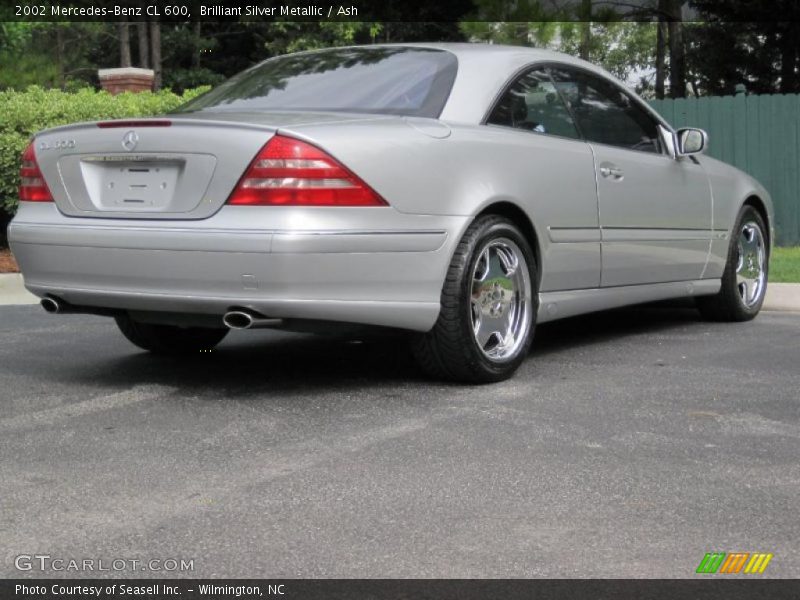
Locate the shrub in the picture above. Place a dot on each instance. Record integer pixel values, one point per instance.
(26, 112)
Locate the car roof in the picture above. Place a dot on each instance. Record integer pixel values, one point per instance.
(470, 48)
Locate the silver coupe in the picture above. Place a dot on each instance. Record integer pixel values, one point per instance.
(461, 192)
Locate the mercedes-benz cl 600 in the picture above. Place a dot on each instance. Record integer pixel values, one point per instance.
(460, 192)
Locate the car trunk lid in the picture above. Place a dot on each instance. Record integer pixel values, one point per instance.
(178, 167)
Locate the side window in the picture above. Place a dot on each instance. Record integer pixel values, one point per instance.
(533, 104)
(605, 113)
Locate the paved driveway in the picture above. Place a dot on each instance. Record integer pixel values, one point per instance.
(629, 444)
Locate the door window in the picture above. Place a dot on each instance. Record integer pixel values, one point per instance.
(605, 113)
(532, 103)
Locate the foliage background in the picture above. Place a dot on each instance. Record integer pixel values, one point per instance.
(674, 48)
(26, 112)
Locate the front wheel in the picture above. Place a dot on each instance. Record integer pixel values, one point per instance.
(169, 339)
(744, 281)
(488, 307)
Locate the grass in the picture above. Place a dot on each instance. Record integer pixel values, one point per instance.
(784, 265)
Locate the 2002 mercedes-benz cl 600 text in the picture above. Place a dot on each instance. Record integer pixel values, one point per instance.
(462, 192)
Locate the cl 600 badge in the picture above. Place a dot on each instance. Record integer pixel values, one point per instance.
(57, 145)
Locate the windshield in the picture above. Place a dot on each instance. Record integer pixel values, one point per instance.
(394, 80)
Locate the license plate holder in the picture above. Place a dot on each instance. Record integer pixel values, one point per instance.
(131, 184)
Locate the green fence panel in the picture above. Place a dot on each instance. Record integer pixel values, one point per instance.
(758, 134)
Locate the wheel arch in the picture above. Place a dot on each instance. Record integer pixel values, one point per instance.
(520, 218)
(760, 206)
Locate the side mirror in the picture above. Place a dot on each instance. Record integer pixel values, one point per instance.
(691, 141)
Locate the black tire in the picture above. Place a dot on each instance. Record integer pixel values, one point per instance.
(728, 304)
(169, 339)
(450, 350)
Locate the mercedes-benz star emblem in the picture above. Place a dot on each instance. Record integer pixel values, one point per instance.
(129, 140)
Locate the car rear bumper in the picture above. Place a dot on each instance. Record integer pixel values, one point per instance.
(377, 267)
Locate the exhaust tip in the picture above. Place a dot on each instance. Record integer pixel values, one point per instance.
(51, 305)
(237, 319)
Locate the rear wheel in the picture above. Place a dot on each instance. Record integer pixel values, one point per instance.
(744, 281)
(488, 307)
(169, 339)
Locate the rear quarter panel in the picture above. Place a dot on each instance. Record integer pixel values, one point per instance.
(461, 170)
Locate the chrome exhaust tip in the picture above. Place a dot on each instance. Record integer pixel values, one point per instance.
(244, 319)
(238, 319)
(51, 305)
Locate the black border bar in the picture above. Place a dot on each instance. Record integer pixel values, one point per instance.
(712, 588)
(410, 11)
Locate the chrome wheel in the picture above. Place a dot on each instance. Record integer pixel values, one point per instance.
(500, 306)
(750, 266)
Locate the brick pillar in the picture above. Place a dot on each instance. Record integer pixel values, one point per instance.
(126, 79)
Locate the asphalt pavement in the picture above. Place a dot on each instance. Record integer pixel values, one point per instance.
(628, 445)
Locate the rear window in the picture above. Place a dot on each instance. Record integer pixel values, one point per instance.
(391, 80)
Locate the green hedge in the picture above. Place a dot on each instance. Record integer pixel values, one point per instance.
(25, 113)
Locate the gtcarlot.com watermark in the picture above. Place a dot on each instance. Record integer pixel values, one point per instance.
(45, 562)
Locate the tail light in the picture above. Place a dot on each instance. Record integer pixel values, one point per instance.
(290, 172)
(32, 187)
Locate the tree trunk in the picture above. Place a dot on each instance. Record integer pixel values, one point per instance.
(144, 45)
(124, 44)
(677, 58)
(62, 80)
(586, 28)
(155, 53)
(788, 62)
(661, 50)
(522, 32)
(197, 44)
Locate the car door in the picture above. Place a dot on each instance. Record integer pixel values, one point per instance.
(654, 210)
(557, 179)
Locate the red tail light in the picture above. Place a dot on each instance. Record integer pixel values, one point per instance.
(32, 187)
(289, 172)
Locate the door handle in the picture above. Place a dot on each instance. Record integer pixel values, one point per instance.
(611, 171)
